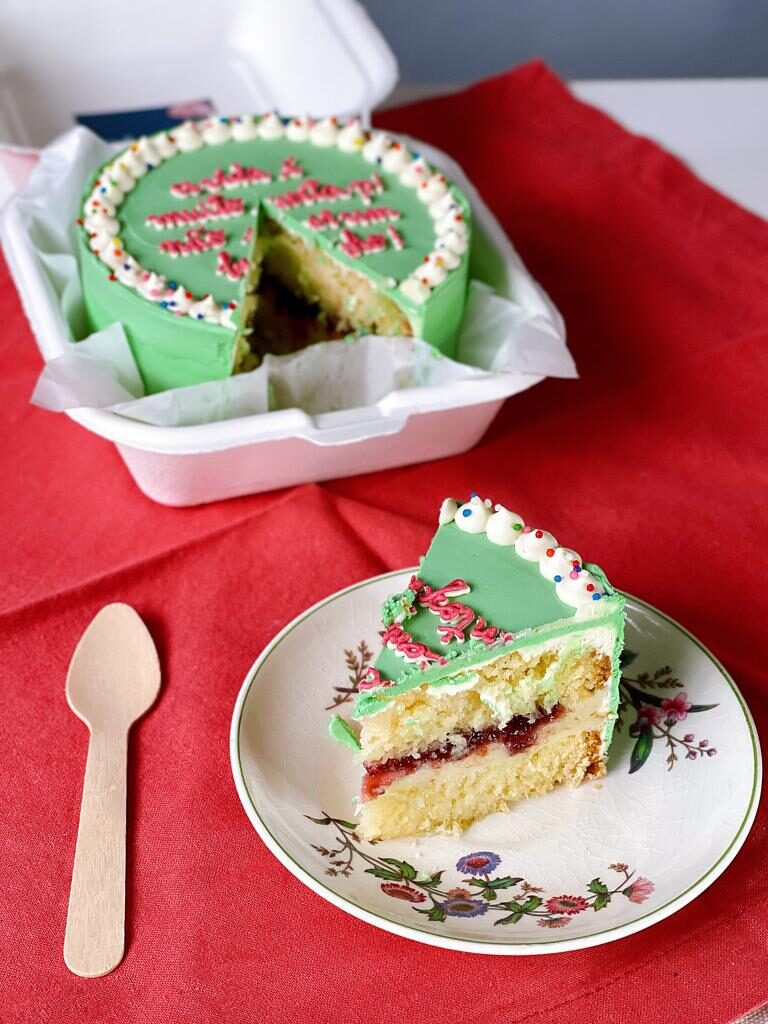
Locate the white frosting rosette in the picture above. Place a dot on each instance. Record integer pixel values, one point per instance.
(396, 158)
(206, 309)
(351, 137)
(473, 516)
(271, 127)
(415, 290)
(297, 129)
(188, 137)
(245, 128)
(532, 544)
(375, 148)
(165, 145)
(324, 133)
(179, 300)
(152, 286)
(216, 130)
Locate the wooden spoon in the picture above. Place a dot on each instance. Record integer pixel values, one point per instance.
(113, 678)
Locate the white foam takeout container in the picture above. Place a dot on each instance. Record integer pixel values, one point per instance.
(191, 465)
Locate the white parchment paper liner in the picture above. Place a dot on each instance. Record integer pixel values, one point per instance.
(504, 336)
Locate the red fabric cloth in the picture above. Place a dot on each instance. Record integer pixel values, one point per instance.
(654, 462)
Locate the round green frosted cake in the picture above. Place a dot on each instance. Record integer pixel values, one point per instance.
(229, 238)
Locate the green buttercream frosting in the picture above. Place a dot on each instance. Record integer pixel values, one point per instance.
(343, 732)
(174, 351)
(506, 591)
(398, 607)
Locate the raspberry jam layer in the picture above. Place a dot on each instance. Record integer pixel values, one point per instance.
(518, 734)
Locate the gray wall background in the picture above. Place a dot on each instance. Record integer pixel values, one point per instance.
(457, 41)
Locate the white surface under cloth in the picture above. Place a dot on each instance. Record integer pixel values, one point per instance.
(718, 126)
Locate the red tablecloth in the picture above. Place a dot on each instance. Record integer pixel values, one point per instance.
(654, 462)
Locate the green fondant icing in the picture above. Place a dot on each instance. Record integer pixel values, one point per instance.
(343, 732)
(175, 351)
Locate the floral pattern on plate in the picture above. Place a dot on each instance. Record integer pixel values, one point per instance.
(479, 890)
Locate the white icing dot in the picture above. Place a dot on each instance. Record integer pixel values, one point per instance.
(228, 315)
(453, 242)
(451, 223)
(376, 147)
(446, 258)
(574, 589)
(448, 510)
(206, 309)
(187, 137)
(98, 203)
(415, 290)
(441, 207)
(215, 131)
(559, 563)
(128, 272)
(432, 189)
(152, 286)
(433, 271)
(165, 144)
(99, 240)
(325, 132)
(148, 151)
(474, 515)
(111, 254)
(178, 301)
(106, 190)
(504, 527)
(133, 163)
(351, 137)
(297, 129)
(119, 176)
(416, 172)
(396, 159)
(101, 222)
(271, 127)
(245, 128)
(532, 544)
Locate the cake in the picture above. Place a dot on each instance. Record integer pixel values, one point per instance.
(228, 238)
(497, 679)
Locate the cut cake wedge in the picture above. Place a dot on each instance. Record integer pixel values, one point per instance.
(497, 679)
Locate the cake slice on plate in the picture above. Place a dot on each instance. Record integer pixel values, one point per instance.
(497, 679)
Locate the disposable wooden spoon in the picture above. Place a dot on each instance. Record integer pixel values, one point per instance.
(113, 678)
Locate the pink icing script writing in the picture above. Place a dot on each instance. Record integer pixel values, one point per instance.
(489, 634)
(231, 268)
(373, 215)
(397, 239)
(403, 644)
(236, 177)
(313, 191)
(195, 240)
(454, 616)
(290, 169)
(211, 208)
(355, 246)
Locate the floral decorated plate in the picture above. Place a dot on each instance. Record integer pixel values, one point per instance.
(571, 869)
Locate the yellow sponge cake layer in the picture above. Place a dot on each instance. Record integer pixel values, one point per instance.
(522, 682)
(450, 797)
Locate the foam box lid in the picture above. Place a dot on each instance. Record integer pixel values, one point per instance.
(317, 57)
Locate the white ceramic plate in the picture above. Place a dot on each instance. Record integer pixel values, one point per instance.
(572, 869)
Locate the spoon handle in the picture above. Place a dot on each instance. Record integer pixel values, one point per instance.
(95, 937)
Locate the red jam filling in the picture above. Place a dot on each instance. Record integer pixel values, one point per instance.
(518, 734)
